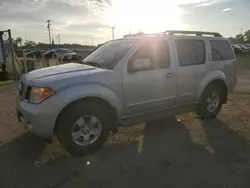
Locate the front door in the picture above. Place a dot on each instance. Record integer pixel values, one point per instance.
(150, 86)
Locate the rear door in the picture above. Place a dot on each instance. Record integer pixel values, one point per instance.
(192, 59)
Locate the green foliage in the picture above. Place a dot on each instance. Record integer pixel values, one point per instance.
(241, 38)
(18, 41)
(247, 35)
(28, 44)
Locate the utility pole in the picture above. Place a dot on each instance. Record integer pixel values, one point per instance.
(93, 41)
(113, 33)
(59, 39)
(49, 30)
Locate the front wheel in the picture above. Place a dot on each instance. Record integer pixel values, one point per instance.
(83, 129)
(211, 102)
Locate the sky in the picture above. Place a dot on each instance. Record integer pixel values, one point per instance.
(87, 21)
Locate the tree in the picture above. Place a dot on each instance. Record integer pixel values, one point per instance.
(232, 40)
(28, 44)
(239, 37)
(19, 41)
(247, 35)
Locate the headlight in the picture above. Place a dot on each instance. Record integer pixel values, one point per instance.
(39, 94)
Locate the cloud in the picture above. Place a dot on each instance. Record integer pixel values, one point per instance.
(201, 3)
(209, 3)
(74, 18)
(69, 17)
(226, 9)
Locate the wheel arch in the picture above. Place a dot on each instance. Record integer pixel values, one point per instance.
(221, 84)
(97, 100)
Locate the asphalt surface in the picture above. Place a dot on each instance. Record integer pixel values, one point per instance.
(168, 158)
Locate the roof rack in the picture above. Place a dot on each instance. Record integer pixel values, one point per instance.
(197, 33)
(141, 34)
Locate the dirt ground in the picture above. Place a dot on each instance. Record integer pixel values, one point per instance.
(178, 152)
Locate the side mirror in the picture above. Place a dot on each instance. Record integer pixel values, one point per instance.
(141, 65)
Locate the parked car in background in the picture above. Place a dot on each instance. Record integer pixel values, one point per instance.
(36, 53)
(238, 49)
(248, 45)
(246, 49)
(64, 53)
(82, 54)
(243, 49)
(126, 82)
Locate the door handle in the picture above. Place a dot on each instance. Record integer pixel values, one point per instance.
(169, 75)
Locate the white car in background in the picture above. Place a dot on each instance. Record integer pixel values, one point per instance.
(247, 46)
(64, 53)
(244, 47)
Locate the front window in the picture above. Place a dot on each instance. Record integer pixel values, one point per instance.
(109, 54)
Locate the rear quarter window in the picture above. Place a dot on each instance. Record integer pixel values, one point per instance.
(221, 50)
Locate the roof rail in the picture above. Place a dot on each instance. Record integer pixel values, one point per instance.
(197, 33)
(141, 34)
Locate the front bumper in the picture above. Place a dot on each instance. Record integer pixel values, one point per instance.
(40, 118)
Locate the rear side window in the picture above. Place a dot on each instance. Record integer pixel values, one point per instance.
(221, 50)
(190, 52)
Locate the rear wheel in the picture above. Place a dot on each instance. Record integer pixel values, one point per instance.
(83, 129)
(211, 102)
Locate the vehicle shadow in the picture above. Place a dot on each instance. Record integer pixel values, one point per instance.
(165, 156)
(17, 159)
(227, 144)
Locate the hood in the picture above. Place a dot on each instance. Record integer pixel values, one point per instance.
(58, 70)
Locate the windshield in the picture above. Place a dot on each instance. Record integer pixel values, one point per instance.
(109, 54)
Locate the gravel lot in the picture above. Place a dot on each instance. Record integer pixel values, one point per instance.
(177, 152)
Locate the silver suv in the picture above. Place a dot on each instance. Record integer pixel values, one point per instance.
(139, 78)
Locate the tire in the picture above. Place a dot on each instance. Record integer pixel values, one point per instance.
(68, 122)
(203, 109)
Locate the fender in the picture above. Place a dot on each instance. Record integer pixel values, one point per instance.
(211, 76)
(71, 93)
